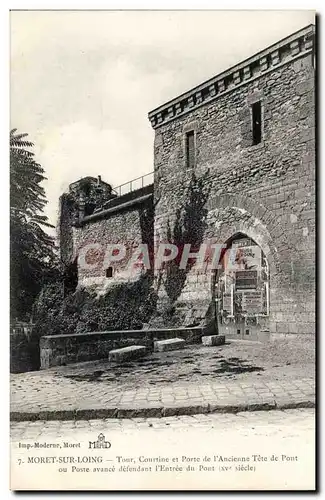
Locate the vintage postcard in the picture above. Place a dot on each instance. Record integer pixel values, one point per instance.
(162, 206)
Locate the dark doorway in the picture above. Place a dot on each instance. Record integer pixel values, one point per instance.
(241, 289)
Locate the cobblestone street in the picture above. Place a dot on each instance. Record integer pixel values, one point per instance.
(47, 400)
(267, 423)
(193, 380)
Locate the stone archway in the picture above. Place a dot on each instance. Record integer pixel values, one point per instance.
(240, 289)
(233, 214)
(232, 217)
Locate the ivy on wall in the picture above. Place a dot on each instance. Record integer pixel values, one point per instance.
(125, 306)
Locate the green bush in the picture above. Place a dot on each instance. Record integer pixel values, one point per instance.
(125, 306)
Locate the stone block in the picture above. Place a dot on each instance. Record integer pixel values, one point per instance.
(212, 90)
(305, 86)
(263, 336)
(127, 353)
(247, 73)
(198, 97)
(236, 78)
(221, 86)
(295, 48)
(45, 355)
(190, 102)
(169, 345)
(213, 340)
(263, 64)
(170, 112)
(275, 57)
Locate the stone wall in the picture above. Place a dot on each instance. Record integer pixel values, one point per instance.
(24, 349)
(57, 350)
(127, 220)
(266, 191)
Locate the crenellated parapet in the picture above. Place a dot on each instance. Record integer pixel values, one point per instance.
(297, 45)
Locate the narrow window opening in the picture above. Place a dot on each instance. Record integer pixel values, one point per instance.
(109, 272)
(238, 332)
(247, 332)
(257, 122)
(190, 149)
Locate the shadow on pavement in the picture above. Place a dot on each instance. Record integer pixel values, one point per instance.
(160, 368)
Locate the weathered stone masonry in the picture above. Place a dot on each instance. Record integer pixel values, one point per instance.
(231, 188)
(126, 220)
(265, 191)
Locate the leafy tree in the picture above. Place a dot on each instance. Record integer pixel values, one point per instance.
(33, 257)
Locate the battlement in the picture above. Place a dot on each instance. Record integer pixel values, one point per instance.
(297, 45)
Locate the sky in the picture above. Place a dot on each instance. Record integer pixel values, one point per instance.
(82, 82)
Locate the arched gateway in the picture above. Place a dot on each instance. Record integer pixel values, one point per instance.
(240, 289)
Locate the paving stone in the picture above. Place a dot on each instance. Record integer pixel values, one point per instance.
(211, 340)
(58, 398)
(168, 345)
(127, 353)
(249, 423)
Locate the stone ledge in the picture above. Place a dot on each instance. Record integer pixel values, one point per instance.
(56, 350)
(159, 411)
(210, 340)
(106, 213)
(127, 353)
(168, 345)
